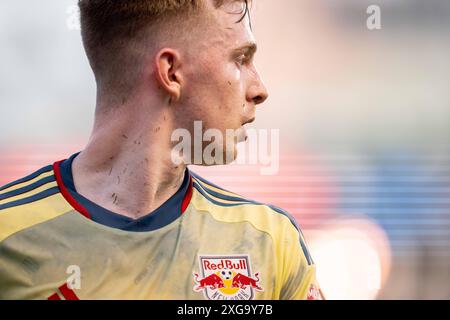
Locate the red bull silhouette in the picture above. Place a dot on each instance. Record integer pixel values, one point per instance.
(212, 281)
(242, 282)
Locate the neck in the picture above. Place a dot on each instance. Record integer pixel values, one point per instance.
(126, 166)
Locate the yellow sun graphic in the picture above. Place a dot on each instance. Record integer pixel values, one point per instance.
(228, 290)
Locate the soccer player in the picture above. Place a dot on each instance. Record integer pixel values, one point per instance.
(121, 220)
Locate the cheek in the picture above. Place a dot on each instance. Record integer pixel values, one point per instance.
(234, 93)
(234, 72)
(215, 92)
(223, 92)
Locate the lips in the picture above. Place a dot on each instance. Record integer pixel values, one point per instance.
(249, 121)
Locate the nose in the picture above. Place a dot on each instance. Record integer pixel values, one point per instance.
(257, 92)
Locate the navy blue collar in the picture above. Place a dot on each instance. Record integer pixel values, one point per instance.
(168, 212)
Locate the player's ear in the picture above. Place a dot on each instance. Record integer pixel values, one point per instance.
(168, 72)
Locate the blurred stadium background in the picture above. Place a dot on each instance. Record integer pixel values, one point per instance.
(364, 118)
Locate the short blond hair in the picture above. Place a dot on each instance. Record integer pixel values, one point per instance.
(112, 30)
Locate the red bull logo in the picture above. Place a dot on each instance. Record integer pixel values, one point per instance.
(226, 278)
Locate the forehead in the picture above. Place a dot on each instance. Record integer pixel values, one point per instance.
(226, 31)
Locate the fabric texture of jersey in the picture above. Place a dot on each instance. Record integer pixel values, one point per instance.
(203, 243)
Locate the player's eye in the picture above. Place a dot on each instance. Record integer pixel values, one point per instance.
(243, 59)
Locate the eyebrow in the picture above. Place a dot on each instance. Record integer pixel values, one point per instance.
(249, 48)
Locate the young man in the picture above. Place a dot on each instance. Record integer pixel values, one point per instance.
(121, 220)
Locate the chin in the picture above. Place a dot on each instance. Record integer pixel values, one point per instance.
(227, 157)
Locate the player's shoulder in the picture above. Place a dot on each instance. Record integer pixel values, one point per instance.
(29, 201)
(234, 206)
(30, 188)
(227, 206)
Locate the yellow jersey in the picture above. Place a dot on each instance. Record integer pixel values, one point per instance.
(203, 243)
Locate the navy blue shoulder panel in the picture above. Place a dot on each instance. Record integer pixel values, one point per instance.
(196, 176)
(221, 195)
(27, 188)
(42, 195)
(207, 193)
(294, 222)
(28, 178)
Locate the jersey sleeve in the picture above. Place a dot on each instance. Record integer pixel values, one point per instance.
(299, 272)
